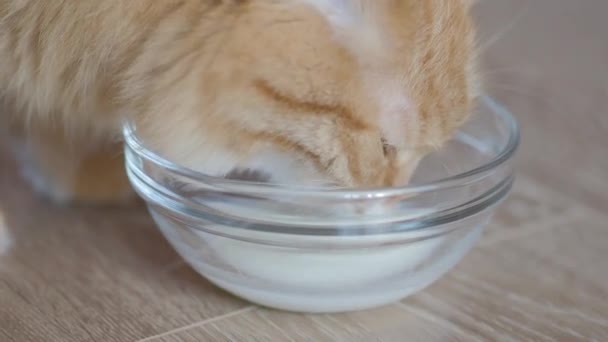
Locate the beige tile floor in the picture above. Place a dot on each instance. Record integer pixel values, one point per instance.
(539, 274)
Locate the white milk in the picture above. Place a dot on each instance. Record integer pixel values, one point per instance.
(339, 275)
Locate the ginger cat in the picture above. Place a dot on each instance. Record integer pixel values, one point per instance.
(346, 92)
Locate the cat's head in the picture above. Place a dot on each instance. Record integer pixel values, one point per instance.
(348, 92)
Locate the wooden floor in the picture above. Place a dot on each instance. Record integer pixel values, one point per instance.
(540, 273)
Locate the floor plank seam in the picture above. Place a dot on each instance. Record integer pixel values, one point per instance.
(270, 322)
(199, 324)
(483, 327)
(435, 319)
(531, 228)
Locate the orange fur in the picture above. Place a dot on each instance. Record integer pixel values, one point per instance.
(347, 92)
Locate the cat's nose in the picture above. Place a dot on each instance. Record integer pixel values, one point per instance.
(406, 171)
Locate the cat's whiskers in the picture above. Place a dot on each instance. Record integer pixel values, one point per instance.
(519, 91)
(507, 70)
(444, 165)
(483, 48)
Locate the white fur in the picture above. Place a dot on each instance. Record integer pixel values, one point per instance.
(31, 173)
(285, 169)
(340, 13)
(356, 24)
(211, 159)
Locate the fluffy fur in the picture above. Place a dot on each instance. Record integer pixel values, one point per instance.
(347, 92)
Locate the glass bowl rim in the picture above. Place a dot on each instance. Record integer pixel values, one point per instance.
(506, 152)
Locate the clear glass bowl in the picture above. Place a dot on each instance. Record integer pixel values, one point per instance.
(301, 249)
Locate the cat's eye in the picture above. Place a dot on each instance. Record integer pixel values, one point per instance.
(389, 150)
(249, 175)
